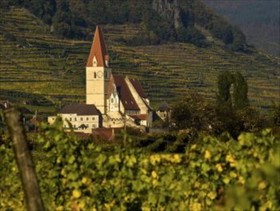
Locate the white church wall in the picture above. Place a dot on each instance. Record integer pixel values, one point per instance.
(97, 79)
(80, 123)
(113, 103)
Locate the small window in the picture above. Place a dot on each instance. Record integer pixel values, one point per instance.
(70, 119)
(75, 119)
(87, 118)
(94, 62)
(94, 75)
(53, 118)
(81, 119)
(93, 118)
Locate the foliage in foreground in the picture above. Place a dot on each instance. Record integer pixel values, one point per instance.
(212, 174)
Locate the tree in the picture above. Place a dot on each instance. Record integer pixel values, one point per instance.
(238, 99)
(62, 19)
(233, 112)
(79, 13)
(181, 115)
(43, 9)
(98, 12)
(193, 112)
(240, 91)
(224, 84)
(191, 35)
(135, 11)
(239, 41)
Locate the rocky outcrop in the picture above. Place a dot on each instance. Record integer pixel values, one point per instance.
(170, 10)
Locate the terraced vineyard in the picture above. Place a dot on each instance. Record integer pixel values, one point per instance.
(34, 61)
(173, 70)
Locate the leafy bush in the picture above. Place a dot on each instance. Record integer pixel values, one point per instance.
(81, 175)
(193, 112)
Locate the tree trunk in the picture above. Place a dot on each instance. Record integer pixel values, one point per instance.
(24, 160)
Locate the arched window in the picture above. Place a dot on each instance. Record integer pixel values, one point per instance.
(94, 74)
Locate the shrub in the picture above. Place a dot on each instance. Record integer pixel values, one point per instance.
(211, 174)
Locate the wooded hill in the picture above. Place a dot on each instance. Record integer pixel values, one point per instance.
(162, 20)
(37, 66)
(259, 20)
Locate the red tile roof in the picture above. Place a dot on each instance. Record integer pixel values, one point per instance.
(137, 86)
(98, 50)
(79, 109)
(125, 94)
(139, 116)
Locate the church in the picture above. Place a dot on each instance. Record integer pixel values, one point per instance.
(112, 101)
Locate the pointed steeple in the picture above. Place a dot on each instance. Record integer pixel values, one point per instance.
(98, 54)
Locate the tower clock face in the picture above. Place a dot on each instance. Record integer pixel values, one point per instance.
(99, 74)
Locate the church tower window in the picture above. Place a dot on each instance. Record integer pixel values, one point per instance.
(94, 62)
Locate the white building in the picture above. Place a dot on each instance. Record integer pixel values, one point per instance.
(80, 117)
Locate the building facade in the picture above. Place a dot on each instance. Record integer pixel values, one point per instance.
(78, 117)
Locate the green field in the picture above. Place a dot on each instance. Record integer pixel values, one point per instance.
(33, 61)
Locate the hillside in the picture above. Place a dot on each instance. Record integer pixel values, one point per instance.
(36, 65)
(259, 20)
(173, 20)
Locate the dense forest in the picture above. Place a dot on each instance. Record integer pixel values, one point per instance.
(161, 20)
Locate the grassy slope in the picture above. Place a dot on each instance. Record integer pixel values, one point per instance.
(55, 68)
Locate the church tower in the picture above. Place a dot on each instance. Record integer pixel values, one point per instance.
(98, 73)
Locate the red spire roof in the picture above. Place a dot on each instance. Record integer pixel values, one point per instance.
(98, 50)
